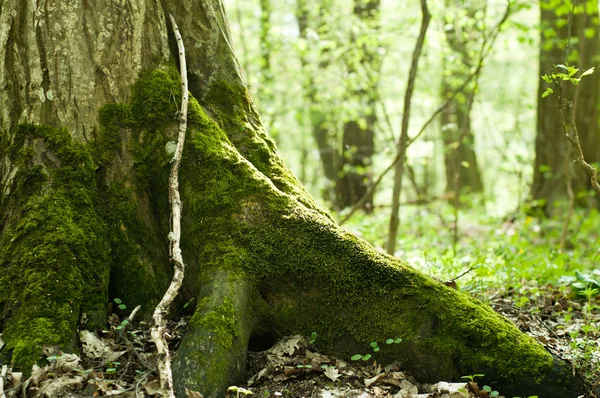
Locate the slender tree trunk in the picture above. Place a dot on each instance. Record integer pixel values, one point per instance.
(551, 144)
(462, 36)
(403, 140)
(358, 142)
(85, 214)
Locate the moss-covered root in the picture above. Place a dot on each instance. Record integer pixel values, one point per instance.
(212, 354)
(54, 254)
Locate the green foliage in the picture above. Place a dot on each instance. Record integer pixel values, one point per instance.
(563, 73)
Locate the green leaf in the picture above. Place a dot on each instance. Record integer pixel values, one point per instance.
(118, 300)
(373, 344)
(366, 357)
(389, 341)
(122, 306)
(487, 388)
(376, 349)
(398, 340)
(547, 92)
(356, 357)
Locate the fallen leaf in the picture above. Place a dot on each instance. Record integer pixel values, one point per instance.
(332, 373)
(373, 379)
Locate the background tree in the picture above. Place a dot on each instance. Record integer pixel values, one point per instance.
(358, 140)
(314, 58)
(464, 28)
(553, 159)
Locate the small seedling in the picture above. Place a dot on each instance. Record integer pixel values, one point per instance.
(397, 340)
(491, 393)
(472, 377)
(374, 346)
(188, 303)
(300, 366)
(313, 337)
(238, 391)
(122, 325)
(112, 368)
(120, 304)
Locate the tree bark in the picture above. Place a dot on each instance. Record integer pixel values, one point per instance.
(551, 146)
(85, 214)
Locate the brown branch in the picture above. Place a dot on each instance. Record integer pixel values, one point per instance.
(158, 331)
(404, 141)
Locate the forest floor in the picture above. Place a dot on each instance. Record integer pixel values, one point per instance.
(552, 295)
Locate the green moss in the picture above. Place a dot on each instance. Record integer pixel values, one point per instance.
(316, 277)
(113, 118)
(53, 248)
(221, 320)
(231, 106)
(155, 96)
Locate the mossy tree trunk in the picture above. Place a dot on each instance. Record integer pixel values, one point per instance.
(552, 157)
(84, 212)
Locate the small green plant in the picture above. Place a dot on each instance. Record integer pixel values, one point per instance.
(120, 304)
(397, 340)
(472, 377)
(238, 391)
(300, 366)
(358, 357)
(562, 73)
(122, 325)
(112, 367)
(313, 337)
(375, 347)
(491, 393)
(188, 303)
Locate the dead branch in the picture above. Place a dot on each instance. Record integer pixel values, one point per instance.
(158, 331)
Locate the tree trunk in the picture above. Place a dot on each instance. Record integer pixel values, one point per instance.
(462, 35)
(85, 212)
(552, 160)
(320, 123)
(266, 96)
(358, 142)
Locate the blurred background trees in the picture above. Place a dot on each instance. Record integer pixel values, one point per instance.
(329, 77)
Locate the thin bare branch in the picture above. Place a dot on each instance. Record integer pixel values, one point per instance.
(158, 331)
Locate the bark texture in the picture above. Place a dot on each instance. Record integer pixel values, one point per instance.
(553, 160)
(82, 220)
